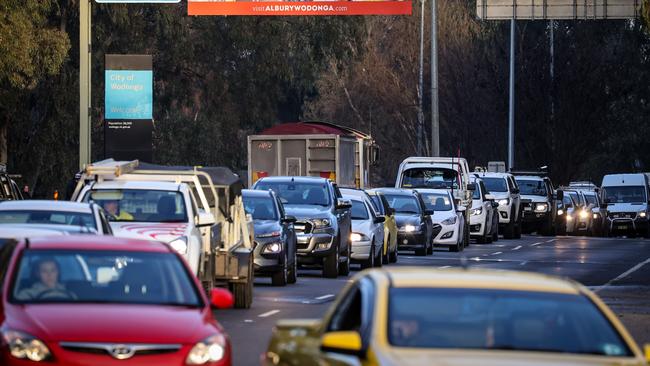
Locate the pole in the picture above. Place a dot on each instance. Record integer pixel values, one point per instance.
(552, 68)
(85, 18)
(511, 117)
(435, 117)
(421, 83)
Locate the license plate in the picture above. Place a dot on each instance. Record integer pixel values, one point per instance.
(528, 208)
(623, 227)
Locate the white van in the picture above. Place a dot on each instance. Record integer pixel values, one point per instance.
(626, 197)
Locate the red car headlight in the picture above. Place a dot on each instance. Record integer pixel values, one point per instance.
(24, 346)
(211, 349)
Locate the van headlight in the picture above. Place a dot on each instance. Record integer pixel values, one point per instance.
(24, 346)
(179, 245)
(212, 349)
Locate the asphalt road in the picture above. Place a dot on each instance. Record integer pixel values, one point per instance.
(617, 269)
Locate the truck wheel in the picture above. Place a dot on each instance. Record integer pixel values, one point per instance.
(293, 270)
(331, 264)
(370, 262)
(281, 277)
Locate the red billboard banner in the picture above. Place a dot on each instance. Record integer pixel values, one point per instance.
(363, 7)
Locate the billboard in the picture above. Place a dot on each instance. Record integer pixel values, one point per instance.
(292, 7)
(557, 9)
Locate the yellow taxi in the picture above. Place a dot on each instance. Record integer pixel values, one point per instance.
(418, 316)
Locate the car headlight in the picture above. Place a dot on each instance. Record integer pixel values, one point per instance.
(273, 234)
(584, 214)
(450, 221)
(596, 216)
(212, 349)
(409, 228)
(541, 207)
(179, 245)
(24, 346)
(477, 211)
(569, 218)
(320, 223)
(504, 202)
(272, 248)
(560, 212)
(642, 214)
(358, 237)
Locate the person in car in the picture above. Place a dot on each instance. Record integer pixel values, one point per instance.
(112, 207)
(48, 285)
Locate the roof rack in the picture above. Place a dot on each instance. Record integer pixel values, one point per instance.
(110, 168)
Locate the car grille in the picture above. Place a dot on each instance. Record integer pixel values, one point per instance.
(110, 349)
(303, 227)
(622, 215)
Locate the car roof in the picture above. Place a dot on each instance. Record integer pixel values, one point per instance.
(471, 278)
(294, 179)
(492, 174)
(528, 177)
(397, 191)
(97, 242)
(433, 190)
(256, 193)
(46, 205)
(150, 185)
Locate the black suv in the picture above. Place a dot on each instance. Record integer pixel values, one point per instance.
(275, 238)
(539, 202)
(323, 220)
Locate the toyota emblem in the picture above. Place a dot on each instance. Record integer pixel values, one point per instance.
(122, 351)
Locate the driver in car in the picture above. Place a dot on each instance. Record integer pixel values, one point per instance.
(48, 285)
(112, 207)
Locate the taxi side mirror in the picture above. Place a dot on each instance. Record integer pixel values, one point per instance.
(647, 352)
(347, 343)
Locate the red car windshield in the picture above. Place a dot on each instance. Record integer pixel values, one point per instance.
(73, 276)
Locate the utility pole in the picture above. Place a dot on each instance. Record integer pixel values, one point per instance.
(552, 24)
(435, 117)
(511, 117)
(421, 82)
(85, 19)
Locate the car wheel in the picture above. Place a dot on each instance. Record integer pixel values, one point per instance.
(344, 268)
(456, 248)
(293, 269)
(370, 262)
(281, 277)
(421, 252)
(467, 236)
(379, 257)
(331, 264)
(495, 232)
(393, 256)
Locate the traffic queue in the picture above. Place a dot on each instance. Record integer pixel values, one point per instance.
(131, 270)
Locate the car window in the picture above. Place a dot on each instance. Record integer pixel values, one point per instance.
(359, 210)
(477, 194)
(91, 276)
(377, 204)
(140, 205)
(511, 183)
(404, 204)
(293, 193)
(437, 201)
(568, 202)
(337, 192)
(624, 194)
(494, 184)
(261, 208)
(501, 320)
(106, 227)
(348, 313)
(436, 178)
(7, 247)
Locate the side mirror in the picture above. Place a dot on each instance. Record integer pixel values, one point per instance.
(559, 195)
(428, 212)
(343, 204)
(489, 197)
(380, 219)
(205, 219)
(347, 343)
(221, 298)
(289, 219)
(471, 186)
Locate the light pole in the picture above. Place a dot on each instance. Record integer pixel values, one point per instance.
(85, 19)
(511, 117)
(421, 83)
(435, 117)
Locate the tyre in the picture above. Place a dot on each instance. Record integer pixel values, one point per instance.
(331, 264)
(421, 252)
(495, 232)
(243, 292)
(370, 262)
(430, 249)
(379, 258)
(518, 231)
(392, 258)
(456, 248)
(466, 239)
(293, 270)
(280, 278)
(344, 268)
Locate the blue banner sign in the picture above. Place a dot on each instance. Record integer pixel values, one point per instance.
(128, 94)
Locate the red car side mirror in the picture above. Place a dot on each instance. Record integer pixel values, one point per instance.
(221, 298)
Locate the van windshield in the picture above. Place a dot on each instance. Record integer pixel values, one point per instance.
(436, 178)
(624, 194)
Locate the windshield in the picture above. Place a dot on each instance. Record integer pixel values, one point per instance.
(359, 210)
(140, 205)
(500, 319)
(436, 201)
(261, 208)
(624, 194)
(476, 194)
(298, 193)
(77, 276)
(531, 187)
(495, 184)
(404, 204)
(84, 221)
(577, 198)
(568, 202)
(436, 178)
(591, 199)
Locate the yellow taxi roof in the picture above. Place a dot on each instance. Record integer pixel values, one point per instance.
(478, 279)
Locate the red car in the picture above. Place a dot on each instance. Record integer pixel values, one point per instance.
(100, 301)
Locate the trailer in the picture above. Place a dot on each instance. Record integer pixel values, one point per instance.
(317, 149)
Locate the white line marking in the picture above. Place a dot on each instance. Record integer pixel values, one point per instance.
(523, 263)
(517, 248)
(248, 321)
(625, 274)
(497, 253)
(536, 244)
(550, 241)
(269, 313)
(324, 297)
(443, 267)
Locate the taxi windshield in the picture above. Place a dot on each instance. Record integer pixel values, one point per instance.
(502, 320)
(140, 205)
(88, 276)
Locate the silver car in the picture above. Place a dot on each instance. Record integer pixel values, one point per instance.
(367, 235)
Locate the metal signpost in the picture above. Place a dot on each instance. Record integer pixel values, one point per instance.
(514, 10)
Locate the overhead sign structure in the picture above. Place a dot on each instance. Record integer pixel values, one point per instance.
(128, 107)
(557, 9)
(292, 7)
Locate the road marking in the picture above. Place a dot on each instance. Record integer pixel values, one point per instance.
(497, 253)
(523, 263)
(268, 313)
(550, 241)
(324, 297)
(443, 267)
(625, 274)
(248, 321)
(517, 248)
(536, 244)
